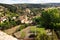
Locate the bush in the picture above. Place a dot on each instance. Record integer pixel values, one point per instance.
(49, 19)
(5, 25)
(22, 27)
(13, 23)
(23, 34)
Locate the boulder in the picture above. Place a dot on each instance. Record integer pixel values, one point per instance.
(4, 36)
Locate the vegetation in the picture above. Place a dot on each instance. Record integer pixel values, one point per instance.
(42, 20)
(49, 19)
(23, 34)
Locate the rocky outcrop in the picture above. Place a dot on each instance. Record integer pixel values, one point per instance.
(25, 31)
(12, 30)
(4, 36)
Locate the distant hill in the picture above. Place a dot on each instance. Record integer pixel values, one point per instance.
(9, 7)
(39, 5)
(15, 7)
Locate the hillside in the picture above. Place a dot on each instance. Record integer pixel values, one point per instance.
(31, 21)
(13, 7)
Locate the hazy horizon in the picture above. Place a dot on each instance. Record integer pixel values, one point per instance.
(29, 1)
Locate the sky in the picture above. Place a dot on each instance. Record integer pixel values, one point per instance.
(29, 1)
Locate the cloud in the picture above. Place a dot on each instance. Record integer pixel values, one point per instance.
(29, 1)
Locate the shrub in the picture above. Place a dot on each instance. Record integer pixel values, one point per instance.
(22, 27)
(23, 34)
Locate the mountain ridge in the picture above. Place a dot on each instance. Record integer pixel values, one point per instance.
(15, 7)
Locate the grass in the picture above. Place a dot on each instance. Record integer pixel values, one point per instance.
(39, 30)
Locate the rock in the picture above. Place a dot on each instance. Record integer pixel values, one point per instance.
(4, 36)
(48, 30)
(26, 31)
(27, 10)
(12, 30)
(49, 33)
(17, 34)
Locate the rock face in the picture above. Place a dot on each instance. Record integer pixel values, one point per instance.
(4, 36)
(12, 30)
(18, 34)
